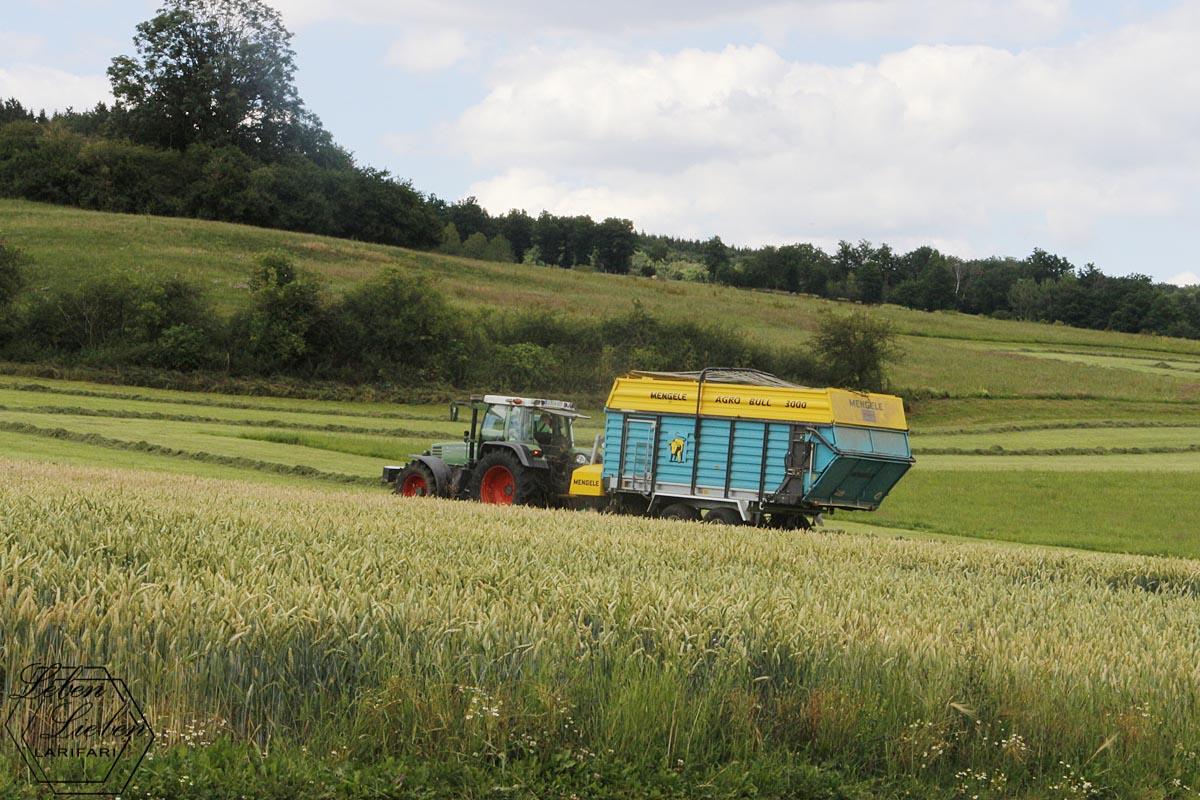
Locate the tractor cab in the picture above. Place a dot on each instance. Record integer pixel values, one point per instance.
(543, 428)
(517, 449)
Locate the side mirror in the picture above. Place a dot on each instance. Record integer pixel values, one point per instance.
(454, 412)
(466, 436)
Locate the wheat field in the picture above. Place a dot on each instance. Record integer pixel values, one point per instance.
(347, 620)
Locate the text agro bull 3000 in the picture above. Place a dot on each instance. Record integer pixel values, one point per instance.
(724, 445)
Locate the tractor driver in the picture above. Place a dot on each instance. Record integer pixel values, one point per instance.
(547, 431)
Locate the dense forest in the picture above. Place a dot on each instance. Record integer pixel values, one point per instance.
(207, 123)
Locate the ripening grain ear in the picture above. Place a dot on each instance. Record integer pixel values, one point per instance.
(276, 613)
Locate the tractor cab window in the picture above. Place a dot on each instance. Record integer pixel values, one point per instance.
(494, 421)
(517, 428)
(551, 430)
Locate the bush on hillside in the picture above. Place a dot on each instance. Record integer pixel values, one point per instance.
(855, 350)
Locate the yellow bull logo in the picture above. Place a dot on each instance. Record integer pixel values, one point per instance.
(677, 446)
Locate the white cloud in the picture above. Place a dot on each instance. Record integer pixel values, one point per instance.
(1185, 279)
(19, 46)
(923, 141)
(39, 87)
(428, 51)
(985, 20)
(926, 20)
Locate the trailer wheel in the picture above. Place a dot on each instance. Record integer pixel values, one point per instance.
(500, 479)
(790, 522)
(724, 516)
(680, 511)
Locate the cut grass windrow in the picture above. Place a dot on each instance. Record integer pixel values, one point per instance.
(999, 450)
(255, 423)
(193, 455)
(346, 410)
(1066, 425)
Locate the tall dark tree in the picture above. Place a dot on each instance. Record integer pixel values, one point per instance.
(581, 240)
(615, 243)
(517, 227)
(11, 110)
(1043, 266)
(470, 218)
(550, 238)
(218, 72)
(715, 257)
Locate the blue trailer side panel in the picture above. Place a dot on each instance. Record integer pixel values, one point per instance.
(845, 466)
(713, 454)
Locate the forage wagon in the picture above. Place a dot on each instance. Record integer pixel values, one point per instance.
(732, 446)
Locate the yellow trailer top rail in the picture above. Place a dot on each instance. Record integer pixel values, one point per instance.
(664, 395)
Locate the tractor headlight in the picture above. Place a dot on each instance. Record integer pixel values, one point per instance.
(581, 460)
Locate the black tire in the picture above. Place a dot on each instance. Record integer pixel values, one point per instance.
(528, 486)
(416, 480)
(723, 516)
(790, 522)
(681, 511)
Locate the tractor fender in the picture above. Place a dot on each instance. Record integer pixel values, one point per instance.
(441, 474)
(521, 452)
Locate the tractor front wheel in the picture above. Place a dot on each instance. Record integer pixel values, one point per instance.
(416, 480)
(500, 479)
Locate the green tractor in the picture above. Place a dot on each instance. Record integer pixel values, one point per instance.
(518, 450)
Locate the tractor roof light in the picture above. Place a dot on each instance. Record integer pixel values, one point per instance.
(549, 405)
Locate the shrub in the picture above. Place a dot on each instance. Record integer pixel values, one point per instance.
(522, 367)
(396, 330)
(276, 334)
(183, 348)
(854, 350)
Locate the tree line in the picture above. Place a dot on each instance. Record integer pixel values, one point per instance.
(207, 123)
(1042, 287)
(560, 241)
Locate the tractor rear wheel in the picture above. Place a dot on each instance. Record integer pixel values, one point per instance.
(416, 480)
(500, 479)
(681, 511)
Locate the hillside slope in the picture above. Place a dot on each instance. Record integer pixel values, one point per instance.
(945, 353)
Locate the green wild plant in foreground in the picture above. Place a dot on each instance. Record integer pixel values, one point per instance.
(446, 633)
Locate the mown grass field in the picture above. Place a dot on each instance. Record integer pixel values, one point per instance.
(1121, 482)
(550, 652)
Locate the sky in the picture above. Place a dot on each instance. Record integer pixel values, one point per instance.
(977, 126)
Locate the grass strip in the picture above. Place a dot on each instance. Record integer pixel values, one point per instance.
(191, 401)
(194, 455)
(997, 450)
(1019, 427)
(255, 423)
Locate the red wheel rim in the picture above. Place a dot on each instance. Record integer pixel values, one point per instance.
(498, 486)
(414, 485)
